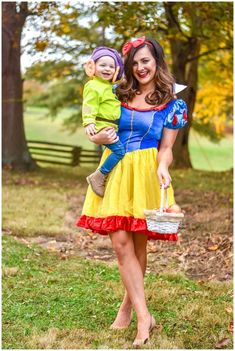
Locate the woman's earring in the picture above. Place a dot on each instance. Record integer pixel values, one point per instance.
(116, 74)
(90, 68)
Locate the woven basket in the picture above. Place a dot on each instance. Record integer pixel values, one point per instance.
(163, 222)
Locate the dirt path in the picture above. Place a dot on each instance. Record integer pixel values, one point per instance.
(203, 251)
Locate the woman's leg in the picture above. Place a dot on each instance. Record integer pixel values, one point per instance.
(124, 315)
(132, 277)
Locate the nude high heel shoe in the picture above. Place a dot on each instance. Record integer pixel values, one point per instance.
(140, 342)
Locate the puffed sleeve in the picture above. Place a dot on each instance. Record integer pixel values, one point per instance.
(90, 105)
(176, 115)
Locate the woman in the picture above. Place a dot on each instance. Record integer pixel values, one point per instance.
(149, 115)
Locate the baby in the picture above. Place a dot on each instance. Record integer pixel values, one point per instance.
(102, 109)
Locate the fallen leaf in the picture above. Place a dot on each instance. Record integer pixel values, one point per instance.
(230, 327)
(51, 242)
(228, 309)
(159, 328)
(63, 257)
(201, 282)
(10, 271)
(222, 343)
(90, 233)
(53, 249)
(213, 247)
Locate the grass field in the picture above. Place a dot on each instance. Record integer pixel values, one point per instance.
(205, 155)
(50, 302)
(53, 304)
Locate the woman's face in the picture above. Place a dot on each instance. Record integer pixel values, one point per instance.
(144, 66)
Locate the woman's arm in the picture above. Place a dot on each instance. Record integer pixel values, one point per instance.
(105, 136)
(165, 156)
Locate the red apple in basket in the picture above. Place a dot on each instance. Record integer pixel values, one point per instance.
(174, 208)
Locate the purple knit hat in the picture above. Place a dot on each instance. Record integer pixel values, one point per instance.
(105, 51)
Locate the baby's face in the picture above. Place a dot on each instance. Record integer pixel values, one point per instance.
(105, 68)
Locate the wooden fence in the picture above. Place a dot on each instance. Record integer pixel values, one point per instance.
(62, 154)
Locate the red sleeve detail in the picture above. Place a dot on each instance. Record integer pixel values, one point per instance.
(185, 116)
(175, 120)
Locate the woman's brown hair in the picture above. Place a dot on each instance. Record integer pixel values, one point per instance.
(163, 79)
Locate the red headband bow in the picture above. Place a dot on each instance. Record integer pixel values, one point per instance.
(135, 43)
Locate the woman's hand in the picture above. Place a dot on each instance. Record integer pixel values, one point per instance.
(164, 176)
(90, 129)
(105, 136)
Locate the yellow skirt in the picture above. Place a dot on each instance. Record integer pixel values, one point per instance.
(131, 187)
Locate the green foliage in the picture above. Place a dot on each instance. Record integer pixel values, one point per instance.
(64, 90)
(206, 129)
(130, 19)
(52, 70)
(63, 94)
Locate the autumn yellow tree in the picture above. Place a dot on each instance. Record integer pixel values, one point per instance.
(214, 104)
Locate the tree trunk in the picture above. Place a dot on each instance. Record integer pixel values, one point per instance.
(189, 73)
(185, 71)
(15, 150)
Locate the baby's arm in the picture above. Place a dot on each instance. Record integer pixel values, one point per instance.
(90, 108)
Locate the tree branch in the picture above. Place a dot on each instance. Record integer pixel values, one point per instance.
(207, 53)
(172, 19)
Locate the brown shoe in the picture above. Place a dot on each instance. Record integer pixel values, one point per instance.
(97, 182)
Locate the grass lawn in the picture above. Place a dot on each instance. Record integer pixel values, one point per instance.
(52, 303)
(40, 127)
(49, 303)
(205, 155)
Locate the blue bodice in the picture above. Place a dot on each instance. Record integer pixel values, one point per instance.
(142, 129)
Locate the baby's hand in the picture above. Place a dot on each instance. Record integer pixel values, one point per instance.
(90, 129)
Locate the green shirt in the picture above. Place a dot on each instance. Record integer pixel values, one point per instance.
(100, 101)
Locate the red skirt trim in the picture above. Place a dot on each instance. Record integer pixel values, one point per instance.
(111, 224)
